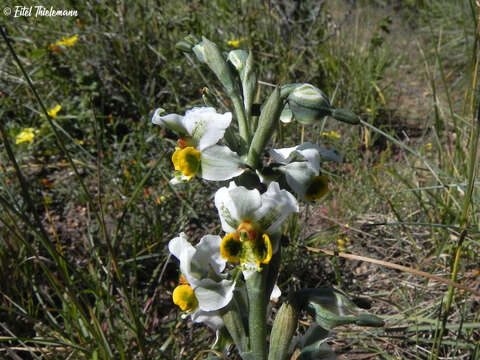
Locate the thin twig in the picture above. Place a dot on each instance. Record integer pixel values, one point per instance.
(396, 267)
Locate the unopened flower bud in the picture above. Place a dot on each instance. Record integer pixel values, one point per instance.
(183, 46)
(207, 52)
(284, 328)
(308, 104)
(238, 58)
(199, 51)
(187, 43)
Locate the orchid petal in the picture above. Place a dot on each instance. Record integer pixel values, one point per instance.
(284, 155)
(212, 295)
(298, 175)
(181, 248)
(220, 163)
(276, 293)
(206, 126)
(330, 154)
(171, 121)
(210, 318)
(196, 262)
(276, 206)
(208, 253)
(306, 151)
(286, 116)
(236, 204)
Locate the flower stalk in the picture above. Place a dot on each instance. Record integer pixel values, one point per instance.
(241, 117)
(257, 313)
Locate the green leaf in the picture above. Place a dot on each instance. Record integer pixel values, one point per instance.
(313, 345)
(222, 340)
(331, 308)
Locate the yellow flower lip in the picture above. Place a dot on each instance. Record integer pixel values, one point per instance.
(317, 189)
(184, 297)
(231, 248)
(238, 247)
(187, 160)
(267, 246)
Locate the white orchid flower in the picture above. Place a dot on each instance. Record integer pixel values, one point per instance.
(197, 152)
(301, 166)
(252, 222)
(203, 288)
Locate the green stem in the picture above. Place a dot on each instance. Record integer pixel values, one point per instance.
(257, 314)
(241, 118)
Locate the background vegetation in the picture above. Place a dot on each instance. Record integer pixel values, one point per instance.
(87, 210)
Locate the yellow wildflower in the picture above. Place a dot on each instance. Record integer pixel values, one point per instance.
(235, 43)
(67, 41)
(342, 244)
(54, 111)
(428, 146)
(26, 135)
(332, 135)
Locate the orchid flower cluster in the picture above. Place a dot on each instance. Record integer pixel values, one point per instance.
(226, 281)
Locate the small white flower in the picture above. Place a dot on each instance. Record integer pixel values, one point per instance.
(301, 166)
(252, 222)
(197, 152)
(204, 289)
